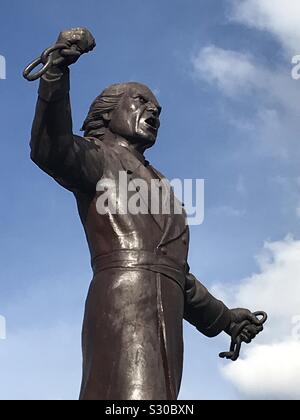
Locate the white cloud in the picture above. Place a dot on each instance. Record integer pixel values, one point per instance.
(273, 125)
(239, 74)
(270, 367)
(228, 70)
(268, 372)
(278, 17)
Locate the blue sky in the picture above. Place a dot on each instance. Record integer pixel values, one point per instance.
(222, 73)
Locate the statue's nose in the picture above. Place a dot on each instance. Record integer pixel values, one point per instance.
(151, 107)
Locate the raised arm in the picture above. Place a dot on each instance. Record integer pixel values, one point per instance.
(54, 147)
(52, 133)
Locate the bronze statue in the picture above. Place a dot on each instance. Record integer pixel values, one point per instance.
(142, 287)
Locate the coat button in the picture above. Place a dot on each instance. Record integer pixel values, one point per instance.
(164, 251)
(138, 189)
(184, 241)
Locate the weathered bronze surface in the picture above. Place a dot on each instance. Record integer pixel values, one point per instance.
(142, 287)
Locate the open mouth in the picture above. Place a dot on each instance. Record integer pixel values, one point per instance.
(152, 122)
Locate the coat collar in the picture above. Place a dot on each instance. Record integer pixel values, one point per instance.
(130, 158)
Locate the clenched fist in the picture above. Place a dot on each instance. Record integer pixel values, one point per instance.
(252, 328)
(78, 41)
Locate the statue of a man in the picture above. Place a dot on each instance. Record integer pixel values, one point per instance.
(142, 287)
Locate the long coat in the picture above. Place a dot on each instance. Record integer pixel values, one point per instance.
(142, 288)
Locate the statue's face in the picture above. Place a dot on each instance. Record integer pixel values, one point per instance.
(137, 116)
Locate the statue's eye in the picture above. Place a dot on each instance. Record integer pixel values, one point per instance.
(142, 100)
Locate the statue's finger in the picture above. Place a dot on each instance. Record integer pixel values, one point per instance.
(245, 338)
(70, 53)
(253, 319)
(253, 330)
(251, 334)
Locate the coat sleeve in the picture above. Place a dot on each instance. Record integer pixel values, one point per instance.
(209, 315)
(73, 161)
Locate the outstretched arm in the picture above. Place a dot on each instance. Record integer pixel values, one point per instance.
(211, 316)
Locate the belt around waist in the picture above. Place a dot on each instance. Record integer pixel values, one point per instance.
(135, 259)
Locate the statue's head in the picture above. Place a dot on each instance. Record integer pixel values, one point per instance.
(129, 110)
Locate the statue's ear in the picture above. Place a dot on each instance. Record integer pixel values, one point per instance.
(107, 116)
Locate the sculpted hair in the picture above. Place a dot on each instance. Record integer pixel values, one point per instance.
(94, 124)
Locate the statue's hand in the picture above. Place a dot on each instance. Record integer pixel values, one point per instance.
(250, 331)
(78, 40)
